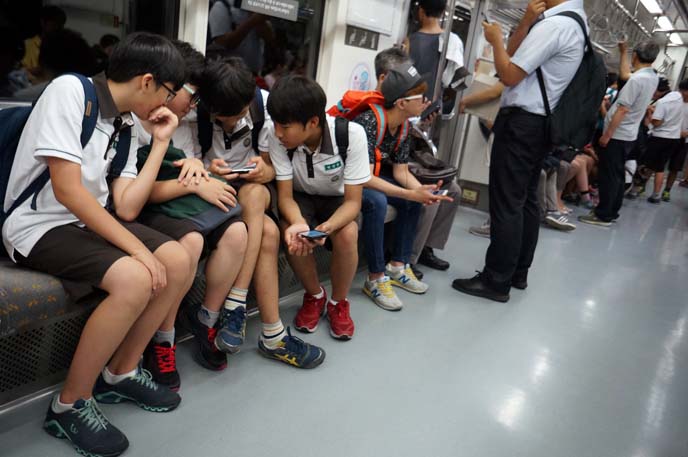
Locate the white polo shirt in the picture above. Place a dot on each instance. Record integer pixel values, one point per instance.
(684, 127)
(670, 110)
(330, 173)
(556, 44)
(236, 149)
(635, 95)
(182, 138)
(54, 130)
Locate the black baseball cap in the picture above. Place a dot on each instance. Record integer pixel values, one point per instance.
(399, 81)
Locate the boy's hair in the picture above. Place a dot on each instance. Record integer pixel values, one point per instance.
(64, 51)
(647, 51)
(228, 86)
(143, 52)
(54, 14)
(108, 40)
(389, 58)
(683, 85)
(433, 8)
(194, 61)
(296, 98)
(612, 78)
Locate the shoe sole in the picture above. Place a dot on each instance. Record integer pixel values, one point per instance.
(386, 308)
(53, 428)
(307, 329)
(560, 227)
(519, 286)
(402, 286)
(316, 363)
(226, 348)
(597, 223)
(113, 397)
(482, 235)
(500, 299)
(340, 337)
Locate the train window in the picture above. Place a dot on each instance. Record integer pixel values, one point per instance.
(40, 40)
(271, 45)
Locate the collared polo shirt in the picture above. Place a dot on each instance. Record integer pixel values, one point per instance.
(636, 95)
(330, 173)
(669, 109)
(557, 45)
(54, 130)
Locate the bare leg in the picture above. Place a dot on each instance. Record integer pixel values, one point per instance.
(344, 260)
(254, 199)
(671, 179)
(223, 266)
(659, 180)
(265, 276)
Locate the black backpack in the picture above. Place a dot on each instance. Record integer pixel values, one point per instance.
(574, 120)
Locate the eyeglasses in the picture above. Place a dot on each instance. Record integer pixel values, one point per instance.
(195, 96)
(414, 97)
(170, 93)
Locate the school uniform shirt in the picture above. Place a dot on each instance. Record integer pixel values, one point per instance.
(237, 148)
(54, 130)
(555, 44)
(389, 153)
(669, 109)
(330, 173)
(635, 95)
(182, 138)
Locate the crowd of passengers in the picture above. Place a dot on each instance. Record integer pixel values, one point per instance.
(190, 160)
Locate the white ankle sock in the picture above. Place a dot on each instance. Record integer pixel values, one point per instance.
(320, 295)
(207, 317)
(272, 334)
(395, 268)
(334, 302)
(162, 336)
(59, 407)
(236, 298)
(115, 378)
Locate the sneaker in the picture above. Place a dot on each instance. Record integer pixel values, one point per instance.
(593, 220)
(161, 361)
(140, 389)
(87, 429)
(632, 194)
(683, 183)
(231, 330)
(482, 230)
(654, 199)
(666, 196)
(205, 352)
(587, 203)
(407, 280)
(341, 325)
(312, 309)
(559, 222)
(380, 290)
(294, 351)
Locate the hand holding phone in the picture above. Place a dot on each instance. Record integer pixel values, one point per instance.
(440, 192)
(430, 110)
(313, 235)
(245, 169)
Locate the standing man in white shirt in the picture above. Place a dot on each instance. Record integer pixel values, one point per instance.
(621, 132)
(556, 44)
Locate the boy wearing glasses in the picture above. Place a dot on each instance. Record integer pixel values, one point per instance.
(392, 183)
(65, 230)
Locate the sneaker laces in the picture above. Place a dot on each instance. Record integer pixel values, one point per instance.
(91, 415)
(212, 332)
(341, 310)
(233, 320)
(310, 304)
(408, 271)
(294, 344)
(166, 358)
(145, 378)
(385, 287)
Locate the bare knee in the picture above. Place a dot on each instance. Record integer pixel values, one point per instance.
(129, 282)
(254, 198)
(233, 241)
(347, 237)
(193, 243)
(271, 235)
(177, 262)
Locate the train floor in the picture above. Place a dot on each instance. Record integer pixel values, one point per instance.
(590, 361)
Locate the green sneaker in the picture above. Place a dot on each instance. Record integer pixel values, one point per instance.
(666, 196)
(593, 220)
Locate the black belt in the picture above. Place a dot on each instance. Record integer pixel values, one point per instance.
(511, 110)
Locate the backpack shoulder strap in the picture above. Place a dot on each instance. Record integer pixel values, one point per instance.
(88, 123)
(341, 135)
(257, 110)
(121, 153)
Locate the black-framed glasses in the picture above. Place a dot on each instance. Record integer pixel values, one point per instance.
(170, 93)
(195, 96)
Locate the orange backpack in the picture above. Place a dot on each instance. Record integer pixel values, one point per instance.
(355, 102)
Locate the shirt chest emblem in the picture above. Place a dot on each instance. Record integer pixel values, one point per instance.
(333, 166)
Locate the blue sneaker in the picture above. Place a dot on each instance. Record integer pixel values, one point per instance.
(294, 351)
(88, 430)
(141, 389)
(231, 330)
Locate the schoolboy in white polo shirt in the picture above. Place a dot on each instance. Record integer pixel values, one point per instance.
(556, 44)
(318, 188)
(68, 232)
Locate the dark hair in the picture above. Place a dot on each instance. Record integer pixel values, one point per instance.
(227, 87)
(52, 13)
(193, 60)
(647, 51)
(433, 8)
(108, 40)
(683, 85)
(295, 98)
(143, 52)
(11, 47)
(63, 51)
(612, 78)
(389, 58)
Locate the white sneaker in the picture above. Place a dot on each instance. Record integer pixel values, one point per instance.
(559, 222)
(483, 230)
(406, 279)
(381, 292)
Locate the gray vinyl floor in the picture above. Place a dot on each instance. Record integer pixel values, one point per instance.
(590, 361)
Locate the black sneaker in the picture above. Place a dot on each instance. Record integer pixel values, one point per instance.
(654, 200)
(161, 361)
(205, 353)
(294, 351)
(89, 431)
(140, 389)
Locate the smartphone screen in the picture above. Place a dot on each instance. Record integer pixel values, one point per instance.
(440, 192)
(313, 234)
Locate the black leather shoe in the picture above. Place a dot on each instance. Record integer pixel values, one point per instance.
(520, 282)
(419, 274)
(477, 287)
(428, 258)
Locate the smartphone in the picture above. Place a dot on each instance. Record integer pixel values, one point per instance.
(440, 193)
(247, 169)
(433, 108)
(313, 235)
(486, 19)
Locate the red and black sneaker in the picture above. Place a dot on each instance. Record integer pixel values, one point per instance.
(311, 311)
(341, 324)
(160, 360)
(206, 353)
